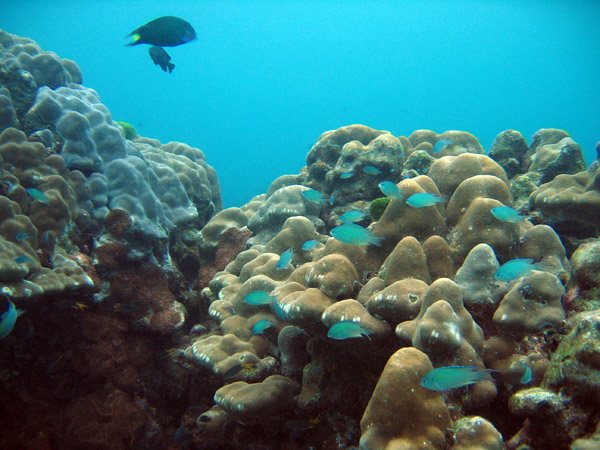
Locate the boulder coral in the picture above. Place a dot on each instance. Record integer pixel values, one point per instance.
(401, 413)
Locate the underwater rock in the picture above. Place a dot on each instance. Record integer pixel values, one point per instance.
(509, 150)
(586, 265)
(258, 401)
(570, 203)
(475, 433)
(564, 157)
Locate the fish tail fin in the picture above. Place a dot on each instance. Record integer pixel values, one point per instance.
(170, 66)
(486, 375)
(376, 240)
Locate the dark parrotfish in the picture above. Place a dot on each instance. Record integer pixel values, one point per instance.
(161, 58)
(166, 31)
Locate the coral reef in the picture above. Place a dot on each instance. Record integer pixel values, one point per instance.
(155, 320)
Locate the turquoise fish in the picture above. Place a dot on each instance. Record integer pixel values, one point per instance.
(310, 245)
(390, 189)
(350, 233)
(313, 195)
(507, 214)
(22, 259)
(439, 145)
(527, 375)
(260, 326)
(346, 175)
(354, 215)
(372, 170)
(21, 236)
(347, 329)
(285, 258)
(423, 199)
(331, 200)
(258, 298)
(452, 377)
(515, 268)
(8, 319)
(37, 195)
(277, 308)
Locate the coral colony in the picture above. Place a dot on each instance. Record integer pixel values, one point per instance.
(461, 312)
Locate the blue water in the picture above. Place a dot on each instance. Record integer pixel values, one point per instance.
(265, 78)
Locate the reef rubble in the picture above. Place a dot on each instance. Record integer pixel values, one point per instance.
(156, 320)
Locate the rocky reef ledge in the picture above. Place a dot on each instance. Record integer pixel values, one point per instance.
(156, 320)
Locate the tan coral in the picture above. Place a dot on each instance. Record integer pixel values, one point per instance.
(304, 307)
(542, 244)
(295, 231)
(487, 186)
(399, 302)
(258, 401)
(407, 260)
(532, 305)
(221, 353)
(438, 256)
(352, 310)
(401, 414)
(478, 225)
(449, 171)
(400, 220)
(476, 433)
(570, 198)
(354, 253)
(334, 275)
(447, 290)
(230, 217)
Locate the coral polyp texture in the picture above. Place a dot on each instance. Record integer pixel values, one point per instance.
(154, 319)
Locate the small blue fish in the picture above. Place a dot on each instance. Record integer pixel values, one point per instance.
(439, 145)
(8, 319)
(347, 329)
(350, 233)
(313, 195)
(354, 215)
(22, 259)
(507, 214)
(527, 375)
(452, 377)
(331, 199)
(515, 268)
(21, 236)
(310, 245)
(390, 189)
(285, 258)
(37, 195)
(258, 298)
(277, 308)
(346, 175)
(423, 199)
(260, 326)
(372, 170)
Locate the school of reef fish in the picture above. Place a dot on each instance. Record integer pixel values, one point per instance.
(398, 293)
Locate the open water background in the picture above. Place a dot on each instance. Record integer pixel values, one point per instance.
(265, 78)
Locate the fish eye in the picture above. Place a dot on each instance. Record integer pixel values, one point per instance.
(204, 418)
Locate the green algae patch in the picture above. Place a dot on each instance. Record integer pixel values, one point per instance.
(378, 207)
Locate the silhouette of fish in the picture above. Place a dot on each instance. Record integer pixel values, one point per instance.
(166, 31)
(161, 58)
